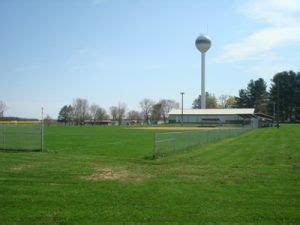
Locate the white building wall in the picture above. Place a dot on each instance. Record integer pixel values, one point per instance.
(202, 118)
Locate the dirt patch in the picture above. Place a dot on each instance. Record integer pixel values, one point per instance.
(55, 184)
(114, 174)
(21, 167)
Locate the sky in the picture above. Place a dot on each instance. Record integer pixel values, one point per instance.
(111, 51)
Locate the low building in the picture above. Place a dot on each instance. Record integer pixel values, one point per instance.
(264, 120)
(212, 116)
(98, 122)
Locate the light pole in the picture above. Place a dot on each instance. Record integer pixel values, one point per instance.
(182, 93)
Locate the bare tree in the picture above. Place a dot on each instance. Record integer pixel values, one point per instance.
(146, 106)
(48, 120)
(222, 100)
(93, 111)
(70, 114)
(114, 112)
(227, 101)
(166, 106)
(81, 110)
(134, 116)
(121, 112)
(3, 108)
(101, 114)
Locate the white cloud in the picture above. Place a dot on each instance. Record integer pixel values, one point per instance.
(273, 12)
(282, 21)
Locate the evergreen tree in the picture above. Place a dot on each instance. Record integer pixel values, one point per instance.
(63, 114)
(285, 92)
(255, 96)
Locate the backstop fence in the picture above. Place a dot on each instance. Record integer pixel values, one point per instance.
(21, 136)
(172, 142)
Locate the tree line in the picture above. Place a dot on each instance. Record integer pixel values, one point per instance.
(80, 111)
(283, 97)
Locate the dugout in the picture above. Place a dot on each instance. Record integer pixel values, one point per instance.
(240, 116)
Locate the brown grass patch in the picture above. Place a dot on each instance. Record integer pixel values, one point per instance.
(21, 167)
(117, 174)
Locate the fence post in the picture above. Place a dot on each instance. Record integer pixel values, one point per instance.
(3, 140)
(3, 132)
(174, 145)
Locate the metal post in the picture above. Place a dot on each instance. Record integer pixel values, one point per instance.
(154, 146)
(3, 140)
(203, 94)
(274, 113)
(174, 145)
(277, 102)
(3, 132)
(42, 130)
(182, 93)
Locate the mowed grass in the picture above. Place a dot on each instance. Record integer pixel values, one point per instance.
(92, 175)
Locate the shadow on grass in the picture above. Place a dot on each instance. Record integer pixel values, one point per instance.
(152, 157)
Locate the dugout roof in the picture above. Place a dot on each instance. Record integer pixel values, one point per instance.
(231, 111)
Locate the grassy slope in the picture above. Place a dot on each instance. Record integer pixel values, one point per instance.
(253, 178)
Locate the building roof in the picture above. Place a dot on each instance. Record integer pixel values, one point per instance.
(264, 116)
(231, 111)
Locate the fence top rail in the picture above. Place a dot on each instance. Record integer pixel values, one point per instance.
(20, 132)
(199, 131)
(165, 140)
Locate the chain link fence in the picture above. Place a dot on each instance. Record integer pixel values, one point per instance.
(21, 137)
(172, 142)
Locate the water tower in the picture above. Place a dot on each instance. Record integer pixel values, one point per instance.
(203, 43)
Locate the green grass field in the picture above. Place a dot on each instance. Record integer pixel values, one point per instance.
(92, 175)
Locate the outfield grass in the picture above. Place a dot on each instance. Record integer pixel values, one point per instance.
(89, 175)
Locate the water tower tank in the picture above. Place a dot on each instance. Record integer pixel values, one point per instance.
(203, 43)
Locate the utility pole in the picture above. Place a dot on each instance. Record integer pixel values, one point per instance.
(182, 93)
